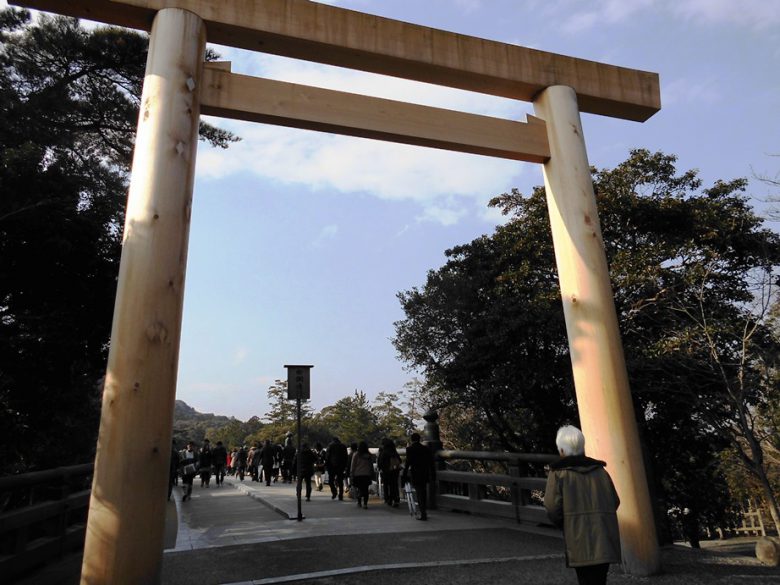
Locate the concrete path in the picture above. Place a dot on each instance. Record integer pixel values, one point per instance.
(241, 533)
(246, 512)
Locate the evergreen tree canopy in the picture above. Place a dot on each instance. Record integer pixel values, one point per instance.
(68, 110)
(694, 274)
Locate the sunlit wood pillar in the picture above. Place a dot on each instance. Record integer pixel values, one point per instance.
(126, 522)
(601, 383)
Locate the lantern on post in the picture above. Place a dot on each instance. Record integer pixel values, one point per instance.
(298, 388)
(298, 382)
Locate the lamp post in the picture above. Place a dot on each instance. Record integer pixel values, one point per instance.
(298, 388)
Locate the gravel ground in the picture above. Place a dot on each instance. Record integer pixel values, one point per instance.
(718, 563)
(732, 562)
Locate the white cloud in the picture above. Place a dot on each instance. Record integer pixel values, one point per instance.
(469, 6)
(684, 91)
(240, 355)
(579, 17)
(263, 381)
(353, 165)
(403, 230)
(604, 12)
(327, 233)
(371, 84)
(755, 14)
(442, 215)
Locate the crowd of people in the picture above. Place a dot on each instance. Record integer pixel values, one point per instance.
(350, 470)
(579, 497)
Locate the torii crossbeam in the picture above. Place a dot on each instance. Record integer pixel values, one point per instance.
(126, 518)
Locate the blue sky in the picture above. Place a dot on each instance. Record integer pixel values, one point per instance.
(301, 240)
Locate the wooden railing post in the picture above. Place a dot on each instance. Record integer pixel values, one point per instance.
(514, 490)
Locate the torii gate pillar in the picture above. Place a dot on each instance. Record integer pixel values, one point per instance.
(124, 540)
(600, 378)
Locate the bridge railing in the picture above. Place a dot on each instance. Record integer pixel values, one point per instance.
(42, 517)
(516, 494)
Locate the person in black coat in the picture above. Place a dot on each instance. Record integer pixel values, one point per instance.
(205, 460)
(305, 461)
(336, 464)
(219, 458)
(288, 454)
(267, 458)
(419, 460)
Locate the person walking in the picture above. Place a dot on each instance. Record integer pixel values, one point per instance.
(219, 457)
(188, 462)
(350, 483)
(362, 471)
(581, 499)
(233, 465)
(240, 464)
(307, 459)
(253, 462)
(288, 455)
(319, 465)
(336, 464)
(389, 463)
(277, 466)
(267, 458)
(205, 459)
(419, 460)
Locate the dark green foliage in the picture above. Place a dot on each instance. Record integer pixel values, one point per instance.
(68, 110)
(694, 274)
(351, 419)
(191, 425)
(482, 326)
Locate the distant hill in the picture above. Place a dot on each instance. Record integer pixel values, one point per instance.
(191, 425)
(183, 411)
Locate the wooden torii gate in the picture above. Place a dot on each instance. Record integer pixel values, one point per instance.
(126, 519)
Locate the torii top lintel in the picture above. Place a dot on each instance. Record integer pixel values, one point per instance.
(346, 38)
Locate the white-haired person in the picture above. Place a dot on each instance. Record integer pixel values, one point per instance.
(581, 499)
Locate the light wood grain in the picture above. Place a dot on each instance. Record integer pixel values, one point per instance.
(333, 35)
(241, 97)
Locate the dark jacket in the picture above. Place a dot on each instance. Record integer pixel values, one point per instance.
(267, 455)
(581, 499)
(219, 455)
(308, 459)
(388, 460)
(420, 460)
(336, 457)
(205, 458)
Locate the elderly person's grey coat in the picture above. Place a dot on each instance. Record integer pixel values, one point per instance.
(581, 499)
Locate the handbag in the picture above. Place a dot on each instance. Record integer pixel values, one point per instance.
(189, 469)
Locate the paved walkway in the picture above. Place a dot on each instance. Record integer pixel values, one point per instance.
(226, 516)
(241, 533)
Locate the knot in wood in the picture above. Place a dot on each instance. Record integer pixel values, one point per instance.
(157, 332)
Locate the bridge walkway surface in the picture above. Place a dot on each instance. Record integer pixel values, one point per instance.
(242, 534)
(247, 532)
